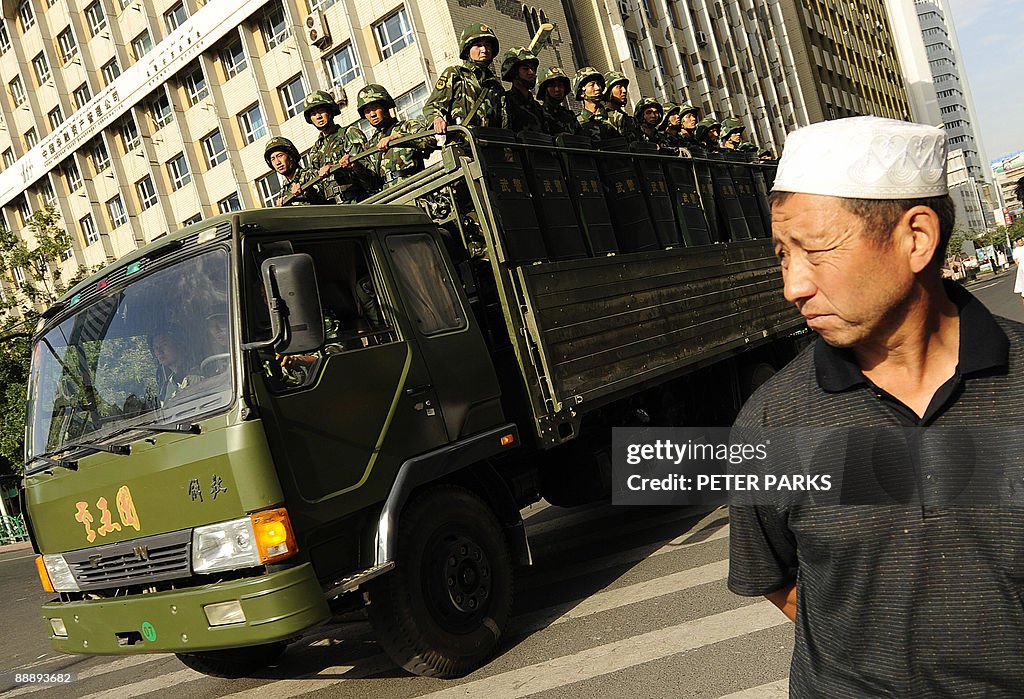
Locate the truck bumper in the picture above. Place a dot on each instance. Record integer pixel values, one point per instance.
(277, 607)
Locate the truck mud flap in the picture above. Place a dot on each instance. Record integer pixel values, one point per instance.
(731, 223)
(587, 195)
(559, 226)
(687, 200)
(634, 231)
(510, 196)
(656, 191)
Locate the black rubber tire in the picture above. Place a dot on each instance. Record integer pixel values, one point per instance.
(450, 552)
(233, 663)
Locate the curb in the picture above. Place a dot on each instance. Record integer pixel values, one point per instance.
(20, 546)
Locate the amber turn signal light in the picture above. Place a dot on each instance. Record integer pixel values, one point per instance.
(275, 539)
(44, 577)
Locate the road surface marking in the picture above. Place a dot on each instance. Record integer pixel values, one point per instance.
(772, 690)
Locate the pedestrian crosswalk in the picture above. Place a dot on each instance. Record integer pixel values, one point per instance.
(618, 598)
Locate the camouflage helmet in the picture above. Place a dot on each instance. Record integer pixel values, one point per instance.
(319, 99)
(706, 124)
(687, 108)
(766, 153)
(550, 75)
(611, 79)
(513, 58)
(474, 32)
(645, 104)
(747, 147)
(280, 143)
(373, 93)
(668, 109)
(584, 76)
(731, 125)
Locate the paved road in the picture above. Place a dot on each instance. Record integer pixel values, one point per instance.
(997, 294)
(621, 602)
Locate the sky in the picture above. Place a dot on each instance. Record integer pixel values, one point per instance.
(989, 32)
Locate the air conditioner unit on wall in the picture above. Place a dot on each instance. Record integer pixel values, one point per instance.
(316, 29)
(702, 39)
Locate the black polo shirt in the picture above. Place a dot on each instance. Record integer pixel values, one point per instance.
(912, 590)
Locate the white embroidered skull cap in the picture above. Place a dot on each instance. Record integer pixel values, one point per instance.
(864, 158)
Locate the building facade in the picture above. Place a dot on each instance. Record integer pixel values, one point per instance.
(1008, 170)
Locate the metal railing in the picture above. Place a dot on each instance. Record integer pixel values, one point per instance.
(12, 529)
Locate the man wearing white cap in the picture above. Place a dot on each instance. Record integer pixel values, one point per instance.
(919, 591)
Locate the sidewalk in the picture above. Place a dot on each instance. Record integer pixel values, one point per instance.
(20, 546)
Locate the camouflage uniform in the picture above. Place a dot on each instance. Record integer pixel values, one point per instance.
(671, 137)
(559, 118)
(522, 111)
(704, 140)
(688, 137)
(311, 194)
(334, 142)
(593, 124)
(649, 135)
(460, 87)
(400, 161)
(730, 126)
(626, 125)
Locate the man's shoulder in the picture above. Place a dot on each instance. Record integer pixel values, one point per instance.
(786, 395)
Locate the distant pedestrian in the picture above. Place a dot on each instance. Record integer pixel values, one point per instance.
(1018, 258)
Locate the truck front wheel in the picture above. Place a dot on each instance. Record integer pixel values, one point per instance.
(442, 611)
(233, 662)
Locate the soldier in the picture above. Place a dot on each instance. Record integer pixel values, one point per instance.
(766, 154)
(335, 146)
(468, 94)
(588, 86)
(522, 111)
(374, 104)
(707, 134)
(688, 116)
(616, 87)
(283, 157)
(732, 133)
(554, 86)
(649, 114)
(671, 125)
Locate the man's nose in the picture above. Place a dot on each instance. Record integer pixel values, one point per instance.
(798, 281)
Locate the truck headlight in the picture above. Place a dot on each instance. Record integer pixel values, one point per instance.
(59, 572)
(224, 546)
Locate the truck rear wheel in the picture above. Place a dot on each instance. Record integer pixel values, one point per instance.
(233, 662)
(442, 611)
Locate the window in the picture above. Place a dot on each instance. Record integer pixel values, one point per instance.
(129, 134)
(624, 9)
(55, 117)
(50, 197)
(410, 104)
(95, 18)
(67, 45)
(25, 15)
(31, 138)
(393, 33)
(233, 58)
(195, 218)
(636, 52)
(142, 44)
(315, 5)
(89, 232)
(146, 192)
(269, 189)
(341, 66)
(17, 90)
(82, 95)
(24, 210)
(274, 27)
(252, 124)
(213, 149)
(8, 158)
(177, 168)
(42, 68)
(124, 3)
(229, 203)
(100, 156)
(291, 94)
(5, 38)
(160, 110)
(72, 175)
(432, 300)
(19, 276)
(195, 85)
(110, 71)
(175, 16)
(116, 212)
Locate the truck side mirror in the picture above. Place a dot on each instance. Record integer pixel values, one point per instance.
(296, 318)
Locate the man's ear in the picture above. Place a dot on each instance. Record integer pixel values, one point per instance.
(919, 230)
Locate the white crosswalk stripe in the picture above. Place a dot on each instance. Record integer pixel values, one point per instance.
(772, 690)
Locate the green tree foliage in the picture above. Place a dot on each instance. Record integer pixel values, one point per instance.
(13, 379)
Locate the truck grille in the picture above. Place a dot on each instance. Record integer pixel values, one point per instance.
(136, 562)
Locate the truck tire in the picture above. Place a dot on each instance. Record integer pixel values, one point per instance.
(442, 611)
(233, 662)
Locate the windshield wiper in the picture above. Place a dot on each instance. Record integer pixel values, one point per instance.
(190, 427)
(119, 449)
(60, 463)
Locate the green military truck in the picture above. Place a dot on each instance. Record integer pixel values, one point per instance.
(275, 414)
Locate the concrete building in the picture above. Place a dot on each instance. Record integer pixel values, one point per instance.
(1008, 170)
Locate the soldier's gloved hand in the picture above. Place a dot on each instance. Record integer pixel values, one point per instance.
(296, 189)
(440, 125)
(346, 163)
(385, 143)
(322, 172)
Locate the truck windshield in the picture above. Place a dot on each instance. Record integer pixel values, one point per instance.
(155, 351)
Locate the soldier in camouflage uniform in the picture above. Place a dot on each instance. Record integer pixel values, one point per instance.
(670, 125)
(688, 117)
(522, 111)
(732, 133)
(616, 87)
(283, 157)
(766, 154)
(391, 164)
(707, 134)
(468, 94)
(648, 114)
(588, 86)
(554, 86)
(334, 146)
